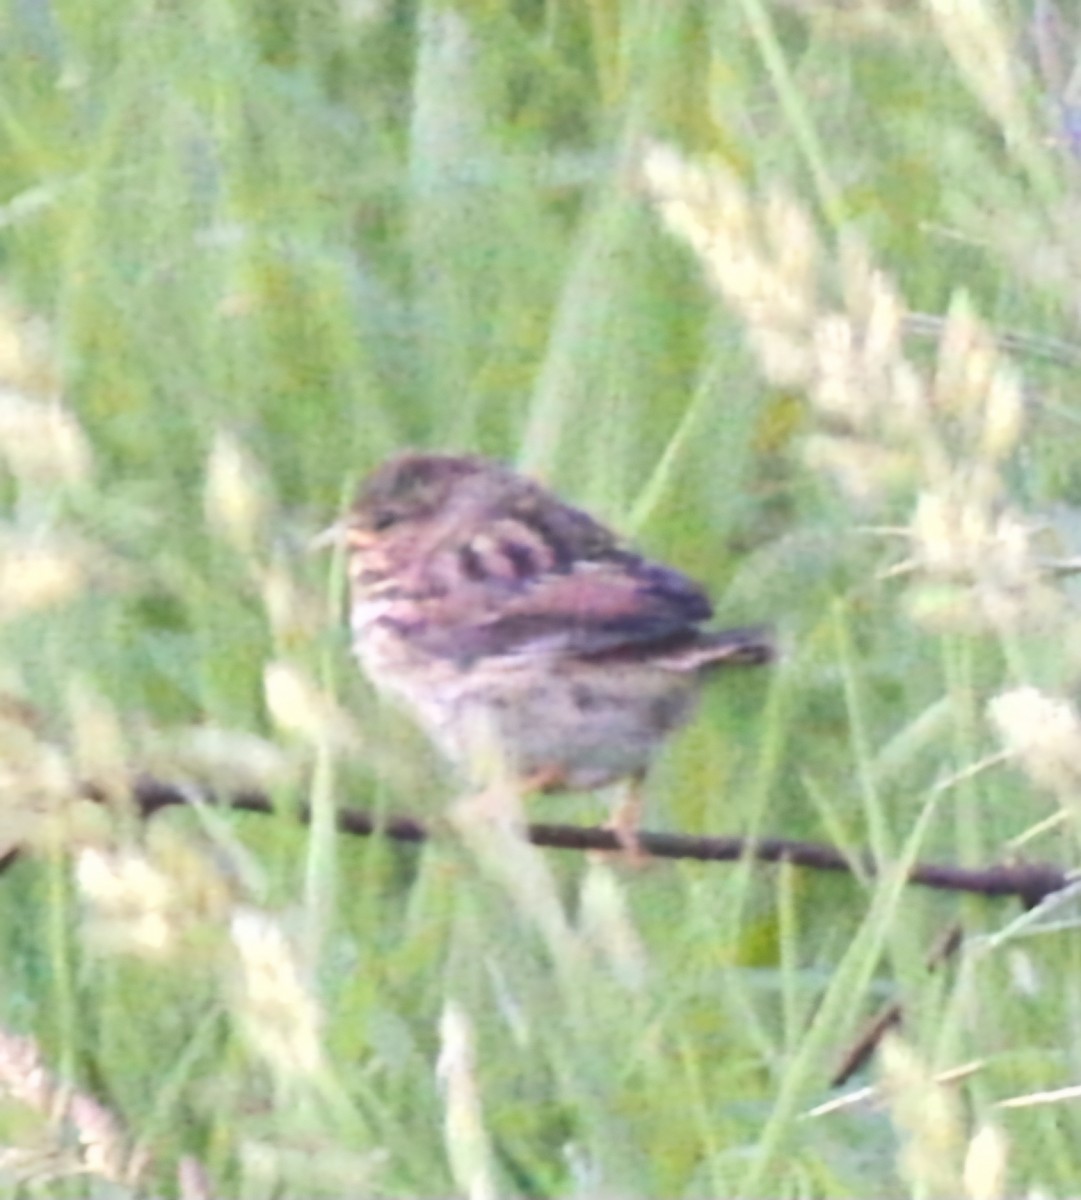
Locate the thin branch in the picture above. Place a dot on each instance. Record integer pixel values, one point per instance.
(890, 1015)
(1029, 881)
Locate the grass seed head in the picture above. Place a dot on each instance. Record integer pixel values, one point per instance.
(1043, 734)
(276, 1008)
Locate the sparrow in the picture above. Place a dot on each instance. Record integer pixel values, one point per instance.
(521, 633)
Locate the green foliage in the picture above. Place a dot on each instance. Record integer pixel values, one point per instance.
(327, 229)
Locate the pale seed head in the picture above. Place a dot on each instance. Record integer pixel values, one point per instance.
(235, 496)
(280, 1015)
(1043, 734)
(986, 1163)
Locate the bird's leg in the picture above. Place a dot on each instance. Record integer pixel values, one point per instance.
(625, 822)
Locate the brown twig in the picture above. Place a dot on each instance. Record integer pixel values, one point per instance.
(1029, 881)
(890, 1015)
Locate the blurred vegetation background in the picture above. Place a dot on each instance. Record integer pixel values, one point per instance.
(248, 248)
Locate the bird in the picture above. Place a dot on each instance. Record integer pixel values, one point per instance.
(524, 637)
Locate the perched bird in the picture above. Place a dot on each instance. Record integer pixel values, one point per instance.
(518, 628)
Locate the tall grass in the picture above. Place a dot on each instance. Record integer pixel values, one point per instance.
(741, 279)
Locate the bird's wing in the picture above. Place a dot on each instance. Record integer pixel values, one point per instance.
(553, 583)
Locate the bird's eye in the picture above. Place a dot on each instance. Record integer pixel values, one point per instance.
(384, 519)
